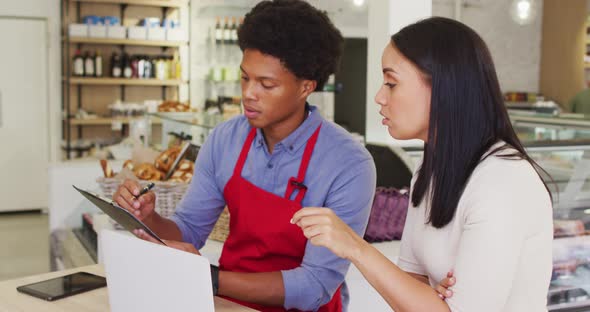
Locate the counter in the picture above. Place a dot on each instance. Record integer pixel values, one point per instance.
(92, 301)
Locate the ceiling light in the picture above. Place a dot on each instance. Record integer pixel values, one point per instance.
(358, 3)
(523, 11)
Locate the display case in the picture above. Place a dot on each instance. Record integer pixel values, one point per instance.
(193, 126)
(561, 146)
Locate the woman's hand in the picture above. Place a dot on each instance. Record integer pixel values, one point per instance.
(173, 244)
(444, 287)
(323, 228)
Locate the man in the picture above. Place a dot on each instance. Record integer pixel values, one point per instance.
(280, 156)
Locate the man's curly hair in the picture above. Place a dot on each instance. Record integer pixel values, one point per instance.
(302, 37)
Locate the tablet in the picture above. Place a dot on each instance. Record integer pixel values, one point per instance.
(64, 286)
(126, 219)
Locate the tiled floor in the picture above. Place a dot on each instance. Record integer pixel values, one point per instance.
(24, 244)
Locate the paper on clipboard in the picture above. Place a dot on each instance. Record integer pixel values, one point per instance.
(177, 280)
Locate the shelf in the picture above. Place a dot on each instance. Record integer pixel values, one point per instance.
(129, 42)
(199, 119)
(107, 121)
(156, 3)
(124, 81)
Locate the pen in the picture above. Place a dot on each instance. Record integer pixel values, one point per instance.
(144, 190)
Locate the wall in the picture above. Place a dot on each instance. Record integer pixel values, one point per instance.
(516, 49)
(385, 18)
(49, 9)
(564, 44)
(351, 20)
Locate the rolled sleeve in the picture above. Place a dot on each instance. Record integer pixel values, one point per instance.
(312, 285)
(203, 202)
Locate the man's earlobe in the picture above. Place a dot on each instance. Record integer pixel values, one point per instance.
(309, 87)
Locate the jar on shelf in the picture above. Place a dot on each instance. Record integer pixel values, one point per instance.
(117, 109)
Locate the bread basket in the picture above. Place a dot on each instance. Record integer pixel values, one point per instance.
(168, 195)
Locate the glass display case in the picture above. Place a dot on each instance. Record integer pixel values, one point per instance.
(195, 125)
(561, 146)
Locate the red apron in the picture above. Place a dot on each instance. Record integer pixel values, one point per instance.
(261, 236)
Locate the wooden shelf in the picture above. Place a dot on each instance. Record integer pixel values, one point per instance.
(107, 121)
(124, 81)
(129, 42)
(156, 3)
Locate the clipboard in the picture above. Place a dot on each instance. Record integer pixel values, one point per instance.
(119, 214)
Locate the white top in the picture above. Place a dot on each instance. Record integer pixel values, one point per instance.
(499, 243)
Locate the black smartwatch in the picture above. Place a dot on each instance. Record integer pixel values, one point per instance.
(215, 278)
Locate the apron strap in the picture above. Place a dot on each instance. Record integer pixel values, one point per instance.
(244, 152)
(297, 183)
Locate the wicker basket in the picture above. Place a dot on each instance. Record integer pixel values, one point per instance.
(221, 228)
(168, 194)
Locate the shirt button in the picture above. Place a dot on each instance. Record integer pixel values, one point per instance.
(291, 147)
(269, 166)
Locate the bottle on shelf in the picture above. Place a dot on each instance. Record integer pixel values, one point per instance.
(98, 64)
(175, 69)
(134, 66)
(116, 66)
(127, 71)
(88, 64)
(147, 68)
(216, 73)
(218, 31)
(162, 68)
(141, 59)
(231, 74)
(234, 31)
(154, 61)
(227, 32)
(78, 64)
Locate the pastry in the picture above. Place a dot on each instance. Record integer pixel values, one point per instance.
(183, 172)
(166, 159)
(186, 165)
(147, 171)
(129, 164)
(173, 106)
(181, 176)
(106, 169)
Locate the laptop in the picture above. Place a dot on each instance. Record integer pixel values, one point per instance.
(143, 276)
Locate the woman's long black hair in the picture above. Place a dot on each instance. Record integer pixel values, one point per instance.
(467, 111)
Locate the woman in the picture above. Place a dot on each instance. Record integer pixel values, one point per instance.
(478, 204)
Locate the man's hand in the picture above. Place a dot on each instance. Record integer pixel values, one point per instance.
(142, 207)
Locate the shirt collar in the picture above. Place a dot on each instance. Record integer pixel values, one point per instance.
(294, 141)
